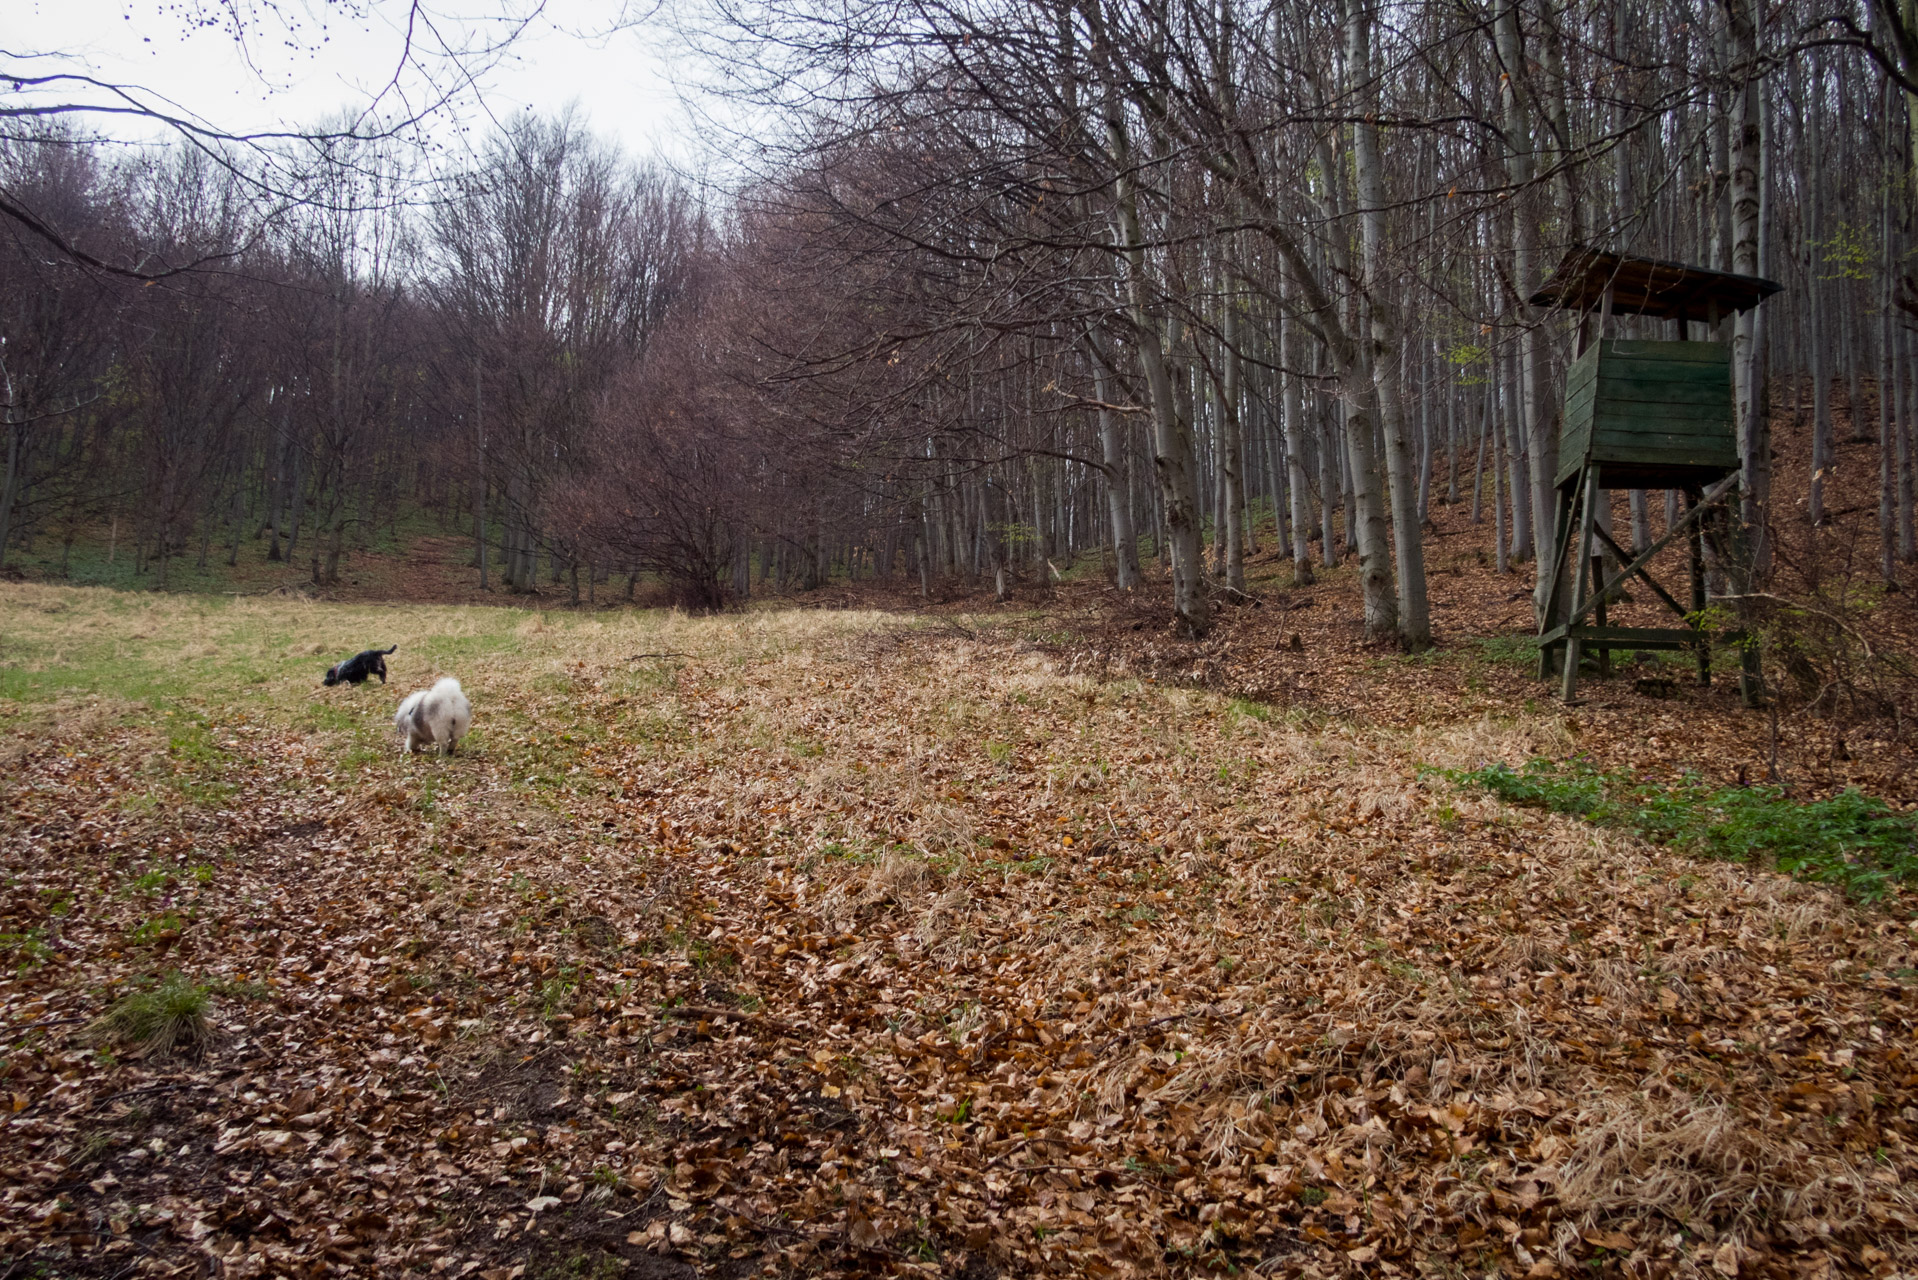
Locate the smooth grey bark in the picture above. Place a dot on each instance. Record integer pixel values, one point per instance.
(1501, 427)
(1412, 617)
(16, 430)
(1478, 463)
(479, 474)
(1746, 147)
(1641, 520)
(1292, 424)
(1125, 541)
(1231, 519)
(1331, 484)
(1540, 447)
(1369, 531)
(1172, 452)
(1907, 488)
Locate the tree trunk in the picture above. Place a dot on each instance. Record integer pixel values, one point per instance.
(1541, 447)
(16, 433)
(1412, 618)
(1172, 452)
(1754, 446)
(1125, 542)
(1231, 449)
(1292, 423)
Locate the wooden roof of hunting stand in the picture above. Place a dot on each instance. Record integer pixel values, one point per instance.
(1642, 415)
(1649, 287)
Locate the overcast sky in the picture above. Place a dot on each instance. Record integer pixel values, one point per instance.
(620, 78)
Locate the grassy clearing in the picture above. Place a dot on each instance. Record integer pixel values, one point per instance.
(75, 662)
(1849, 839)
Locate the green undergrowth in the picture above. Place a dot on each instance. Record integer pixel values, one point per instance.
(1849, 839)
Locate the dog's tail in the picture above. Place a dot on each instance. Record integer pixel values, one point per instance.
(394, 649)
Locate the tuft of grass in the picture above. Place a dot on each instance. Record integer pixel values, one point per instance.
(153, 882)
(1849, 839)
(557, 993)
(167, 1018)
(1246, 708)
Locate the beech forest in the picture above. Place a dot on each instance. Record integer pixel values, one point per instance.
(1075, 637)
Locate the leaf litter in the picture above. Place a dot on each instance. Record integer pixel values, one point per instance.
(858, 945)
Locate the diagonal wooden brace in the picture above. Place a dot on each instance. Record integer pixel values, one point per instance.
(1645, 576)
(1713, 496)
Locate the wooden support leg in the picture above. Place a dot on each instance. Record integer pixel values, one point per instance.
(1581, 579)
(1698, 590)
(1563, 509)
(1599, 616)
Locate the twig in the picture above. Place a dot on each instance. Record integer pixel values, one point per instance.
(637, 656)
(1092, 1170)
(152, 1088)
(1125, 1032)
(1017, 1145)
(19, 1032)
(842, 1235)
(737, 1015)
(985, 1046)
(1833, 618)
(1208, 1011)
(775, 1227)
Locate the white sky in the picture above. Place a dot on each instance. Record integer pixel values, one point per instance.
(572, 53)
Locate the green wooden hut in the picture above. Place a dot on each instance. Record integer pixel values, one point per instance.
(1649, 415)
(1640, 415)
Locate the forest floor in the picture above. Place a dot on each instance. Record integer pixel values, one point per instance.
(945, 939)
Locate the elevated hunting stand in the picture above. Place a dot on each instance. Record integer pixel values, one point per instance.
(1642, 415)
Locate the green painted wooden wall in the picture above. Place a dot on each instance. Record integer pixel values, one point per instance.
(1650, 410)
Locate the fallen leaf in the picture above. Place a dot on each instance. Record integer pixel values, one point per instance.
(1616, 1241)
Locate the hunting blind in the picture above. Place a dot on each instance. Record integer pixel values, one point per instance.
(1642, 415)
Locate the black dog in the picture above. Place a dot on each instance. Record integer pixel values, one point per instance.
(355, 670)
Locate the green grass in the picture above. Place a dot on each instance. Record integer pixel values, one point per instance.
(1518, 651)
(1248, 709)
(30, 947)
(1849, 839)
(181, 651)
(166, 924)
(166, 1018)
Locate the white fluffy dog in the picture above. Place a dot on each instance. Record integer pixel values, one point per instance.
(438, 717)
